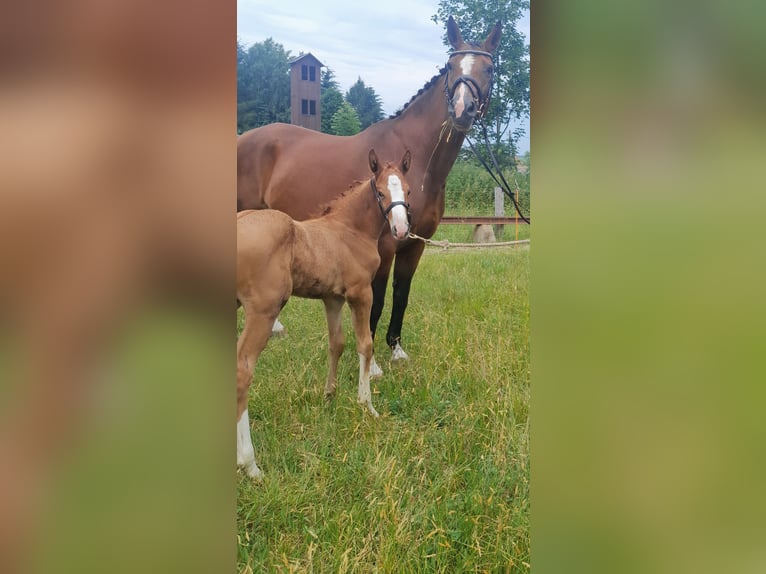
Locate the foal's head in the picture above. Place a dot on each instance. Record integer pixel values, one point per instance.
(391, 190)
(470, 72)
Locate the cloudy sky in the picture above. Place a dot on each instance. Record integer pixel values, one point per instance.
(393, 45)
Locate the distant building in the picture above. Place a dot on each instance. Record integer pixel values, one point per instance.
(305, 92)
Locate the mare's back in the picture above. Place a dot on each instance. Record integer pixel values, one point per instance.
(294, 169)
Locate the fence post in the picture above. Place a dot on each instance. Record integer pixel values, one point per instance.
(499, 212)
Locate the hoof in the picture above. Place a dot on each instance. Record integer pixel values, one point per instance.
(251, 469)
(398, 353)
(370, 408)
(375, 370)
(278, 329)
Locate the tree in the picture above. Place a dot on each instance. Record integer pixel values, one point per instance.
(331, 99)
(510, 95)
(263, 85)
(366, 102)
(345, 122)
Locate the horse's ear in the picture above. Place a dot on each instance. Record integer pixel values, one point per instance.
(453, 34)
(406, 160)
(374, 166)
(493, 40)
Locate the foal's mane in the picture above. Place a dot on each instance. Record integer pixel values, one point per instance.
(331, 206)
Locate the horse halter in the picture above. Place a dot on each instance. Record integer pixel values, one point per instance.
(472, 85)
(385, 211)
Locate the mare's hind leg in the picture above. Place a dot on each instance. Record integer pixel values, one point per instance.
(404, 268)
(360, 314)
(379, 284)
(334, 312)
(253, 339)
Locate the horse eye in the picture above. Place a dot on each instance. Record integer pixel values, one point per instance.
(490, 70)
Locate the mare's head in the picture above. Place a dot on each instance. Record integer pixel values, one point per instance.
(391, 190)
(470, 70)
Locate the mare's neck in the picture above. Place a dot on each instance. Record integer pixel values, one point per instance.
(427, 119)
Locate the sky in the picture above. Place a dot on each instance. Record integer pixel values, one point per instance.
(393, 46)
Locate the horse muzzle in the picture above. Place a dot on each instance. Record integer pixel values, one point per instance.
(399, 222)
(463, 109)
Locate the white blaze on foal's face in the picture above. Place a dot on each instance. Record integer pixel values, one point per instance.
(397, 219)
(466, 66)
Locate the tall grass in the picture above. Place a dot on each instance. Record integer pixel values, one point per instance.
(470, 190)
(440, 482)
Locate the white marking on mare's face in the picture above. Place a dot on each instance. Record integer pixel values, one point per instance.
(397, 218)
(466, 67)
(466, 64)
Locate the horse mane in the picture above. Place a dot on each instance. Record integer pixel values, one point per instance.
(422, 90)
(331, 206)
(430, 83)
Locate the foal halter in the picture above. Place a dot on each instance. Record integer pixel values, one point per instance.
(472, 85)
(385, 211)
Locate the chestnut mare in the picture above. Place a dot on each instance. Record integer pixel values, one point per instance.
(332, 258)
(294, 170)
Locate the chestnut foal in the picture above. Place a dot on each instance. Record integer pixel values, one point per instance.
(333, 258)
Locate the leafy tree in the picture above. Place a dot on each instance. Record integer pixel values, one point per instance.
(345, 122)
(263, 85)
(366, 103)
(331, 99)
(510, 95)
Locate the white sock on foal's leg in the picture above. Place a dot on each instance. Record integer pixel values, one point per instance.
(245, 450)
(375, 370)
(365, 395)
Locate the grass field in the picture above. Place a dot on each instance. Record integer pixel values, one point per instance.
(440, 482)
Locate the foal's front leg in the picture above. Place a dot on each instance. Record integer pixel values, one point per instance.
(253, 339)
(333, 308)
(360, 314)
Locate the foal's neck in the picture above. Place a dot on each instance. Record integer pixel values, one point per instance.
(359, 211)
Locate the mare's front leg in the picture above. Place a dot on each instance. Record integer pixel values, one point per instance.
(333, 308)
(407, 260)
(252, 341)
(360, 304)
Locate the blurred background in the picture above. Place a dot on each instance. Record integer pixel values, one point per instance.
(647, 275)
(117, 185)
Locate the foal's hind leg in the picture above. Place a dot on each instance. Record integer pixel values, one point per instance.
(253, 339)
(333, 310)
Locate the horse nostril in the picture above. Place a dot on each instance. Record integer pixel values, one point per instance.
(471, 108)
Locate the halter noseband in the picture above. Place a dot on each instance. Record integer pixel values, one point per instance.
(472, 85)
(385, 211)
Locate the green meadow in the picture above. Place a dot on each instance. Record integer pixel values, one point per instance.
(440, 482)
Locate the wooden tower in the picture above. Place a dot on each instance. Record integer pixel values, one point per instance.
(305, 92)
